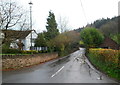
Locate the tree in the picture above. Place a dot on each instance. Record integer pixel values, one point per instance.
(59, 43)
(63, 24)
(91, 37)
(98, 23)
(64, 41)
(116, 38)
(11, 16)
(40, 41)
(110, 28)
(51, 27)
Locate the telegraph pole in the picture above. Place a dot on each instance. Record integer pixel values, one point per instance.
(30, 3)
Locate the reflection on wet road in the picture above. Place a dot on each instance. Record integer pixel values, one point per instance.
(74, 68)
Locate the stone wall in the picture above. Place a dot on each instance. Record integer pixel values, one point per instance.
(10, 62)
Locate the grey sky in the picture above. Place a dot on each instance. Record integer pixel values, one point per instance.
(72, 10)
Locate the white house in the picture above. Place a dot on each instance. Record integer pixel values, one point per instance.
(20, 38)
(27, 40)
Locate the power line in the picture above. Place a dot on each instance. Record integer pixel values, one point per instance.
(83, 11)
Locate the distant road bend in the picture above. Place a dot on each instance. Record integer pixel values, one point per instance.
(74, 68)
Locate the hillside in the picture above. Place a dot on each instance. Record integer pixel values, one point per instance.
(109, 27)
(101, 23)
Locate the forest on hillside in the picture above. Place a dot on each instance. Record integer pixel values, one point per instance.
(109, 27)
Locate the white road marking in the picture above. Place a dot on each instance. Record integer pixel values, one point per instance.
(57, 71)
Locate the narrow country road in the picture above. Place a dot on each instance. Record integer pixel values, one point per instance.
(74, 68)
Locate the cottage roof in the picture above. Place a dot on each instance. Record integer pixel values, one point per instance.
(16, 34)
(108, 42)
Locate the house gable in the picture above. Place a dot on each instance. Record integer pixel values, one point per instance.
(109, 43)
(16, 35)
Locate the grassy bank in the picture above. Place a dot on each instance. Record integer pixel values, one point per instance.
(106, 60)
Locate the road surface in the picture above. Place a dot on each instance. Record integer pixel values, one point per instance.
(74, 68)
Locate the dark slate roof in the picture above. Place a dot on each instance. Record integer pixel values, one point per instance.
(108, 42)
(16, 34)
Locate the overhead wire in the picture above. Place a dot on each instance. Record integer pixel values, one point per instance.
(83, 11)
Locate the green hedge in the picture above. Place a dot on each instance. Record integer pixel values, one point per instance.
(10, 51)
(102, 59)
(17, 51)
(33, 51)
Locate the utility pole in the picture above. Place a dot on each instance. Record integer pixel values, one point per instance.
(30, 3)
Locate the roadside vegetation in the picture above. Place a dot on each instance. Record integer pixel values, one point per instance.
(64, 43)
(91, 37)
(17, 51)
(106, 60)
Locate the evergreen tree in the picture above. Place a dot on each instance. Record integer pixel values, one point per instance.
(51, 27)
(40, 41)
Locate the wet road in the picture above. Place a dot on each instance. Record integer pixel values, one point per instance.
(74, 68)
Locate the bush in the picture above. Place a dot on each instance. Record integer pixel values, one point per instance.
(17, 51)
(29, 52)
(106, 60)
(43, 51)
(10, 51)
(91, 37)
(33, 51)
(106, 55)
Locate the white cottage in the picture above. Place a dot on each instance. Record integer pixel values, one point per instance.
(21, 38)
(27, 40)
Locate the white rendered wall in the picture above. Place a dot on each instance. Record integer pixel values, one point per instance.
(27, 40)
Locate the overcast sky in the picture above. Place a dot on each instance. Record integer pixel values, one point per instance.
(71, 10)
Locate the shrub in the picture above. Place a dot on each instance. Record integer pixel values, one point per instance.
(42, 51)
(10, 51)
(29, 52)
(91, 37)
(106, 55)
(106, 60)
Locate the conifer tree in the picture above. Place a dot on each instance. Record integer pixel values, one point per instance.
(51, 27)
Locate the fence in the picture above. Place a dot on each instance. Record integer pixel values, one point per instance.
(40, 48)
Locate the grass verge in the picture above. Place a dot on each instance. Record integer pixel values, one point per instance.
(112, 70)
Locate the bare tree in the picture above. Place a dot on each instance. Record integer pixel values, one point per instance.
(63, 24)
(11, 15)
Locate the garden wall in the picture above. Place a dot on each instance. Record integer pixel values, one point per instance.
(10, 62)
